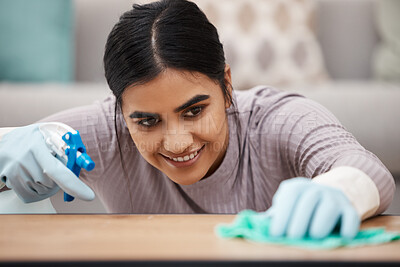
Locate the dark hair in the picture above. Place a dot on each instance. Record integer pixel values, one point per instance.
(153, 37)
(166, 34)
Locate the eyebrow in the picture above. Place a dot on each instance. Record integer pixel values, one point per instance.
(192, 101)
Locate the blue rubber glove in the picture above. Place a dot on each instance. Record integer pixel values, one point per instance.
(303, 208)
(28, 167)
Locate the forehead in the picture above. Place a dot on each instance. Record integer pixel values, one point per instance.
(168, 90)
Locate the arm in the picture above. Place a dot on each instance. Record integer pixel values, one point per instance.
(95, 124)
(29, 168)
(319, 146)
(91, 121)
(348, 184)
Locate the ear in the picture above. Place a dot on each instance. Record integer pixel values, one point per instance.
(228, 82)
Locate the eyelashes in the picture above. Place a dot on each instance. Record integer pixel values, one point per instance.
(195, 111)
(152, 122)
(148, 122)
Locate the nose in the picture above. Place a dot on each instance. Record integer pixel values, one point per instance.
(177, 142)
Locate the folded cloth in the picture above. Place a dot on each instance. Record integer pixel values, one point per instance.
(254, 226)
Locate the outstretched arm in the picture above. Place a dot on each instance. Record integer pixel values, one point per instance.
(348, 184)
(315, 144)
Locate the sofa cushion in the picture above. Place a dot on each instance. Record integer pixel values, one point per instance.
(36, 40)
(268, 42)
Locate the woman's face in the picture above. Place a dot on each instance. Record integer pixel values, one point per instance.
(178, 123)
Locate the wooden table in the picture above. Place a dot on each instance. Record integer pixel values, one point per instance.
(159, 238)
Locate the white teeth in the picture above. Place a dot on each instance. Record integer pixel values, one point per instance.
(185, 158)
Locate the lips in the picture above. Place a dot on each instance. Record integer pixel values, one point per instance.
(180, 164)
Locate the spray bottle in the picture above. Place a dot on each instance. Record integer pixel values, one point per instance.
(66, 145)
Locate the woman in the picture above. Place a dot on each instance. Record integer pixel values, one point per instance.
(175, 138)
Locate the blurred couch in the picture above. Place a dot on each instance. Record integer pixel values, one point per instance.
(346, 31)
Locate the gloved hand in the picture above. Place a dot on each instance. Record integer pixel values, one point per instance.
(301, 207)
(28, 167)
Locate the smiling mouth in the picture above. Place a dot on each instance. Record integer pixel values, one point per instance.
(186, 160)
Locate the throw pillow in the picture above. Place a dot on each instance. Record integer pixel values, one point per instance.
(36, 40)
(268, 42)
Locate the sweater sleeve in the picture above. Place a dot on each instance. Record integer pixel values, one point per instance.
(312, 141)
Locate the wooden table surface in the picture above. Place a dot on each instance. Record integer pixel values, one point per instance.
(158, 237)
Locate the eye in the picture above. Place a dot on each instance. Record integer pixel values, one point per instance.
(193, 112)
(148, 122)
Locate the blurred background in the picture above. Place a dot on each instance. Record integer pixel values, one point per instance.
(345, 54)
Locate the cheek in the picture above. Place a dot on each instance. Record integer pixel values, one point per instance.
(211, 126)
(147, 143)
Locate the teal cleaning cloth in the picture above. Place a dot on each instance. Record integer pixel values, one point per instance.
(253, 226)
